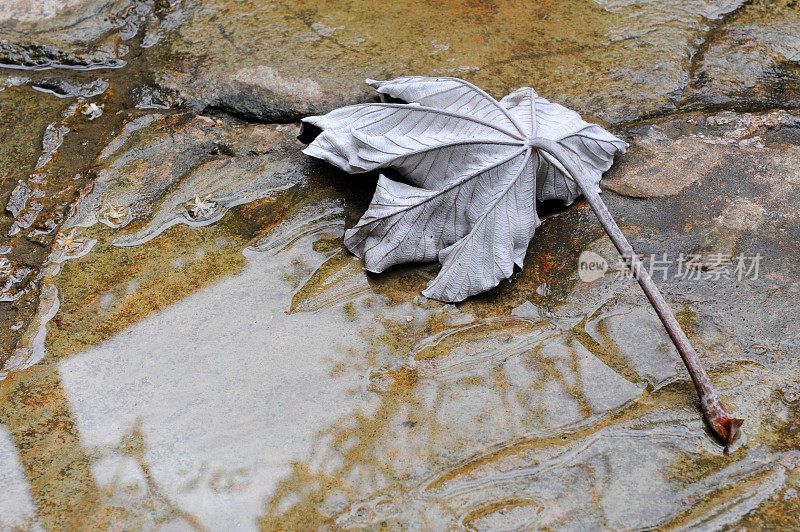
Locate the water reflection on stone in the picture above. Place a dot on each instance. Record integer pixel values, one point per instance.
(223, 396)
(16, 505)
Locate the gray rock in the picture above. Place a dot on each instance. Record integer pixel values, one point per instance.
(753, 61)
(65, 24)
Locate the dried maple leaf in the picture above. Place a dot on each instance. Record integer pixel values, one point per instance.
(475, 171)
(476, 167)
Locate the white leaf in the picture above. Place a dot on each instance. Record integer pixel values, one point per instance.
(474, 172)
(589, 144)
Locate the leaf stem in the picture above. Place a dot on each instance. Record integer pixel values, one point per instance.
(718, 418)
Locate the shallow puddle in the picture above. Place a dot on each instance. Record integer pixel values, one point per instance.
(249, 373)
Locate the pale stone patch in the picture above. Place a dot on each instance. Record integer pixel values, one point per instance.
(268, 78)
(742, 215)
(34, 10)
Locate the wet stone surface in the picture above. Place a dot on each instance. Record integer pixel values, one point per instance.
(618, 61)
(752, 61)
(186, 344)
